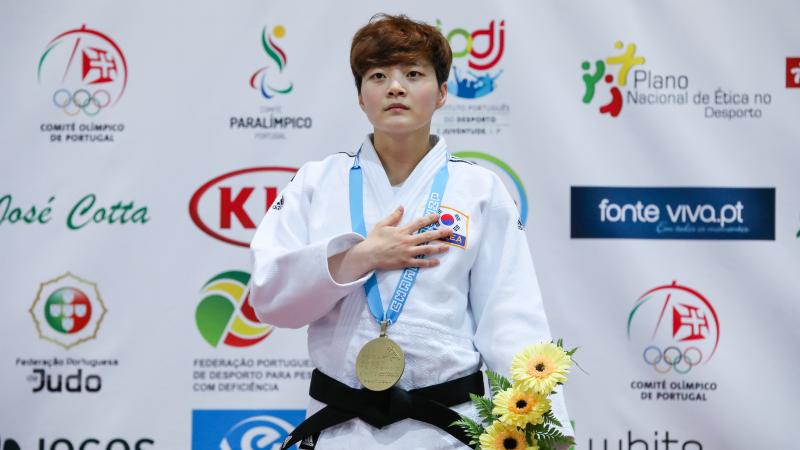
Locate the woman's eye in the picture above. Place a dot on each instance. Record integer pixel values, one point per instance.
(378, 76)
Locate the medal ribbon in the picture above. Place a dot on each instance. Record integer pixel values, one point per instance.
(409, 275)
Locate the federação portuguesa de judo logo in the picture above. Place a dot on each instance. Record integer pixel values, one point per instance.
(602, 71)
(84, 71)
(482, 50)
(267, 79)
(68, 310)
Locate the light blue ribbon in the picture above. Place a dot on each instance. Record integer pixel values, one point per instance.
(409, 275)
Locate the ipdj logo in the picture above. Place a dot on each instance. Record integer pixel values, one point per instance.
(242, 430)
(509, 174)
(228, 207)
(675, 328)
(263, 78)
(793, 72)
(68, 310)
(483, 49)
(224, 314)
(84, 70)
(592, 76)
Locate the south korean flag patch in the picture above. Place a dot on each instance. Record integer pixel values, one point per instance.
(456, 221)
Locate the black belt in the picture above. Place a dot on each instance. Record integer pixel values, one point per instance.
(429, 404)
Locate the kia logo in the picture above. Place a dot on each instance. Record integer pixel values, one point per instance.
(229, 207)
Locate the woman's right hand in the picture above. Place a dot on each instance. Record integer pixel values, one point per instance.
(390, 247)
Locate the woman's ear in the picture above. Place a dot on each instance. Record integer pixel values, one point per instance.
(442, 95)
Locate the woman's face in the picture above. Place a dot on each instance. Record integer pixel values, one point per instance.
(402, 98)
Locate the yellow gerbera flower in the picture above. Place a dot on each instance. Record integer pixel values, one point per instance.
(519, 407)
(499, 436)
(540, 367)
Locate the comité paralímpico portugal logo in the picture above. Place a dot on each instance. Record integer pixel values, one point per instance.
(482, 49)
(267, 80)
(508, 175)
(225, 315)
(68, 310)
(601, 71)
(84, 71)
(674, 328)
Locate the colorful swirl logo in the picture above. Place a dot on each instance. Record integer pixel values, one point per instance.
(259, 80)
(224, 313)
(591, 76)
(86, 70)
(477, 81)
(522, 202)
(676, 326)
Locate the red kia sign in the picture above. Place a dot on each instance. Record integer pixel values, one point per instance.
(230, 206)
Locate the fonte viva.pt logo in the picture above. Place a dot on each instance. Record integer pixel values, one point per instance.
(592, 76)
(84, 71)
(225, 315)
(482, 49)
(262, 79)
(674, 328)
(68, 310)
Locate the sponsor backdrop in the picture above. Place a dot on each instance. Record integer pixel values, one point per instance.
(652, 150)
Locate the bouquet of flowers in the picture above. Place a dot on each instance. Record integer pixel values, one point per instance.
(518, 415)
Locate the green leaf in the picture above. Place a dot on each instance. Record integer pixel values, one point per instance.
(550, 418)
(548, 437)
(484, 407)
(497, 382)
(472, 428)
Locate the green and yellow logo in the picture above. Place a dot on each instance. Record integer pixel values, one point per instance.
(224, 314)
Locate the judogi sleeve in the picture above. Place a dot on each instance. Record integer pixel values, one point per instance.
(291, 285)
(504, 294)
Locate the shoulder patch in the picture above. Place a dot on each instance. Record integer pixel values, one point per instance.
(458, 222)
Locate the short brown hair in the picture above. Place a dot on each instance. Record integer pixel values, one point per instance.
(388, 40)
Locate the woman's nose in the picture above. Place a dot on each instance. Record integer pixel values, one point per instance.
(396, 88)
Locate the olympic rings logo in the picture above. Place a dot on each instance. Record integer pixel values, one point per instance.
(81, 100)
(672, 358)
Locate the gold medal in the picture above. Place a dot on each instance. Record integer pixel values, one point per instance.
(380, 363)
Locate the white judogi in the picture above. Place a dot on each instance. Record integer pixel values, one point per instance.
(481, 303)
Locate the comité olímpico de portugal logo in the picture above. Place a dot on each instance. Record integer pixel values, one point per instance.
(793, 72)
(68, 310)
(673, 330)
(270, 83)
(229, 207)
(224, 314)
(83, 73)
(510, 178)
(475, 76)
